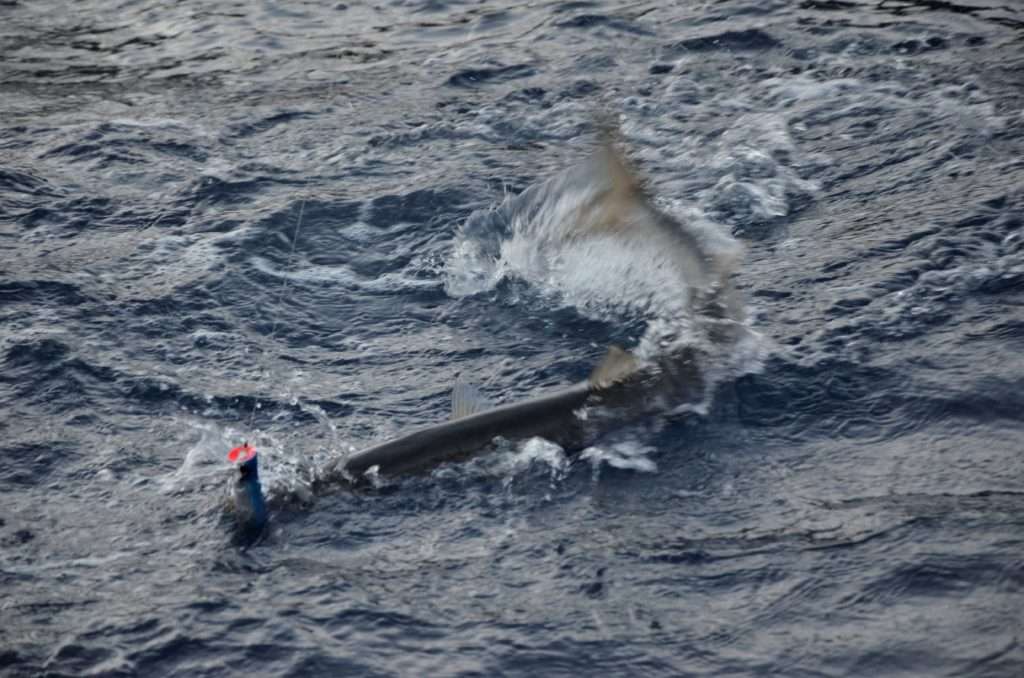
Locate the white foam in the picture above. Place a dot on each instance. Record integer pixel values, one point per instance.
(287, 470)
(345, 276)
(531, 454)
(641, 267)
(625, 455)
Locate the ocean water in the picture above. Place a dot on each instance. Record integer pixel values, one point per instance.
(283, 222)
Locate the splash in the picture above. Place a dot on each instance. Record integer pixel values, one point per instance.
(625, 455)
(287, 476)
(593, 239)
(513, 462)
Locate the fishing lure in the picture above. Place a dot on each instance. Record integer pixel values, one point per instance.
(250, 506)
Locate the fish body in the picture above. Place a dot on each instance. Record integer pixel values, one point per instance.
(618, 390)
(550, 416)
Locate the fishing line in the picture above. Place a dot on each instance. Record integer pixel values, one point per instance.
(280, 299)
(250, 504)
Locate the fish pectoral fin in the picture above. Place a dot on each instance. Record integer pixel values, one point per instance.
(616, 364)
(467, 399)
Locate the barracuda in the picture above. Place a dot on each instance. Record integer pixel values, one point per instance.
(612, 203)
(475, 423)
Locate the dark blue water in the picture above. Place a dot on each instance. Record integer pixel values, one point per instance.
(226, 220)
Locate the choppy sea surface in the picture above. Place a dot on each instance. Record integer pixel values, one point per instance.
(283, 222)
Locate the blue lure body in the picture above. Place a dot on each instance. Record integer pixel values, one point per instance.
(250, 506)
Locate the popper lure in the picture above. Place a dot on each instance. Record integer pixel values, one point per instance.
(250, 506)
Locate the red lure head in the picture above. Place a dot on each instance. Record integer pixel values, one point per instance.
(242, 453)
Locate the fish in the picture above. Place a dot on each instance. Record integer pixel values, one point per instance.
(612, 201)
(475, 423)
(620, 389)
(606, 198)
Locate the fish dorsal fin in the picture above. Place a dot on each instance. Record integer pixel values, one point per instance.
(467, 399)
(616, 365)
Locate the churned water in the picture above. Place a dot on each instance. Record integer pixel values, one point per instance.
(290, 223)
